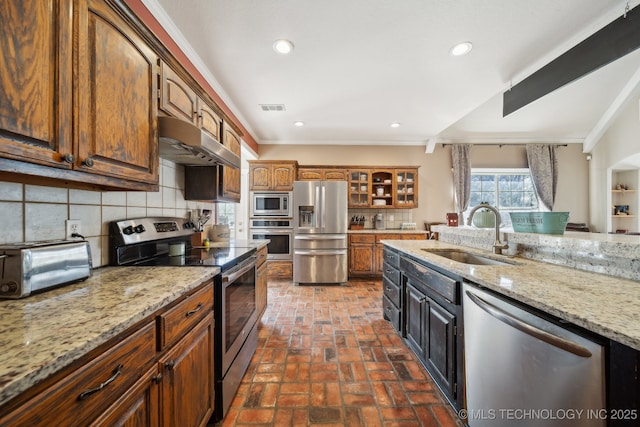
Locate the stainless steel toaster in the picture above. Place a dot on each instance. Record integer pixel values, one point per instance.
(29, 267)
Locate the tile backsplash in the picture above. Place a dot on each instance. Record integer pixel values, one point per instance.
(399, 216)
(32, 213)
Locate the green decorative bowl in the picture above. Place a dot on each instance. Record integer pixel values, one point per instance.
(539, 222)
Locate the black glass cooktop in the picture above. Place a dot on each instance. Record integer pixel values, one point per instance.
(213, 257)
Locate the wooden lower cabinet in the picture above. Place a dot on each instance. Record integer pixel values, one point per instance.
(366, 255)
(261, 286)
(136, 381)
(280, 269)
(187, 385)
(139, 406)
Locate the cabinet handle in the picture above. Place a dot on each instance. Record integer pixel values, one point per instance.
(116, 374)
(194, 311)
(157, 378)
(388, 288)
(69, 158)
(170, 365)
(88, 162)
(423, 299)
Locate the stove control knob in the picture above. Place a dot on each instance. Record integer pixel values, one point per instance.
(139, 228)
(8, 287)
(128, 230)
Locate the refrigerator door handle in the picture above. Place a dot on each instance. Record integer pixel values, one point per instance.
(528, 329)
(324, 212)
(317, 207)
(320, 252)
(320, 237)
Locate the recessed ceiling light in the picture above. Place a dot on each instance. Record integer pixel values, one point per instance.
(461, 49)
(283, 46)
(298, 123)
(395, 125)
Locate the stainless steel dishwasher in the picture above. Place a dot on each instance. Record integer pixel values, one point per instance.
(523, 369)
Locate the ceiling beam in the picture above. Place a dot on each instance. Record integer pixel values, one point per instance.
(612, 42)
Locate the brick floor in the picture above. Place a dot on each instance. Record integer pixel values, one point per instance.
(326, 357)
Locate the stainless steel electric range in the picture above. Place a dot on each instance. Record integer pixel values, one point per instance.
(163, 241)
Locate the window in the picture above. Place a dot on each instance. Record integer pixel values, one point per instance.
(226, 215)
(507, 189)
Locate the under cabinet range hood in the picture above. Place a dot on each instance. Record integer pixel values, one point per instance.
(184, 143)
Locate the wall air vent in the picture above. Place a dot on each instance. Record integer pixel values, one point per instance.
(272, 107)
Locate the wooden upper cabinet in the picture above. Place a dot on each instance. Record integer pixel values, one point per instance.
(270, 175)
(36, 81)
(115, 101)
(321, 174)
(179, 100)
(176, 97)
(229, 177)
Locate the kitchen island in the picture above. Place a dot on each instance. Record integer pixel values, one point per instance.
(462, 357)
(606, 305)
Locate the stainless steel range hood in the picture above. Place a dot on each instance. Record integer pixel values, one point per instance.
(184, 143)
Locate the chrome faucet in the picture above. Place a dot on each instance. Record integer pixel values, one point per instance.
(498, 246)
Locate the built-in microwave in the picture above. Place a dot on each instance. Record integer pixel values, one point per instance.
(271, 203)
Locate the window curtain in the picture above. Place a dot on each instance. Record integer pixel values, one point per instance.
(543, 165)
(461, 164)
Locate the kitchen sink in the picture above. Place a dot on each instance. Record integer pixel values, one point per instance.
(467, 257)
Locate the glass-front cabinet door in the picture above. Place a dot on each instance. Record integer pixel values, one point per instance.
(359, 188)
(406, 188)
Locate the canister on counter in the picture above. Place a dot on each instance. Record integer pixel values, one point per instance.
(452, 219)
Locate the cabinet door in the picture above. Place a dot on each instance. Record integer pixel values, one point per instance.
(361, 260)
(176, 97)
(259, 177)
(187, 387)
(230, 178)
(416, 321)
(308, 174)
(440, 346)
(335, 175)
(208, 120)
(406, 188)
(36, 81)
(138, 407)
(283, 176)
(261, 289)
(115, 101)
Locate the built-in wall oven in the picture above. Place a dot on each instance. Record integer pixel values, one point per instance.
(280, 233)
(271, 204)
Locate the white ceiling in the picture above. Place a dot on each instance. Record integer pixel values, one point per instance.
(359, 65)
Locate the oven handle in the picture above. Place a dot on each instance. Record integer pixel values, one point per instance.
(237, 271)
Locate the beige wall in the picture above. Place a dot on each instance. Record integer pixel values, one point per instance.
(435, 178)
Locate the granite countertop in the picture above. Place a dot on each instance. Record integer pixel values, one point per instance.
(606, 305)
(46, 332)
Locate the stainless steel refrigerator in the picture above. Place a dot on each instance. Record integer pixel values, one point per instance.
(320, 232)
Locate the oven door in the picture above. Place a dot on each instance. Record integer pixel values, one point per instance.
(280, 246)
(236, 310)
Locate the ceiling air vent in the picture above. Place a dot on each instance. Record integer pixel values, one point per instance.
(272, 107)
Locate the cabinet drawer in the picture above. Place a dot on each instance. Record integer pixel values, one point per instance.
(391, 274)
(387, 236)
(390, 257)
(84, 394)
(426, 277)
(391, 291)
(175, 322)
(392, 313)
(362, 238)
